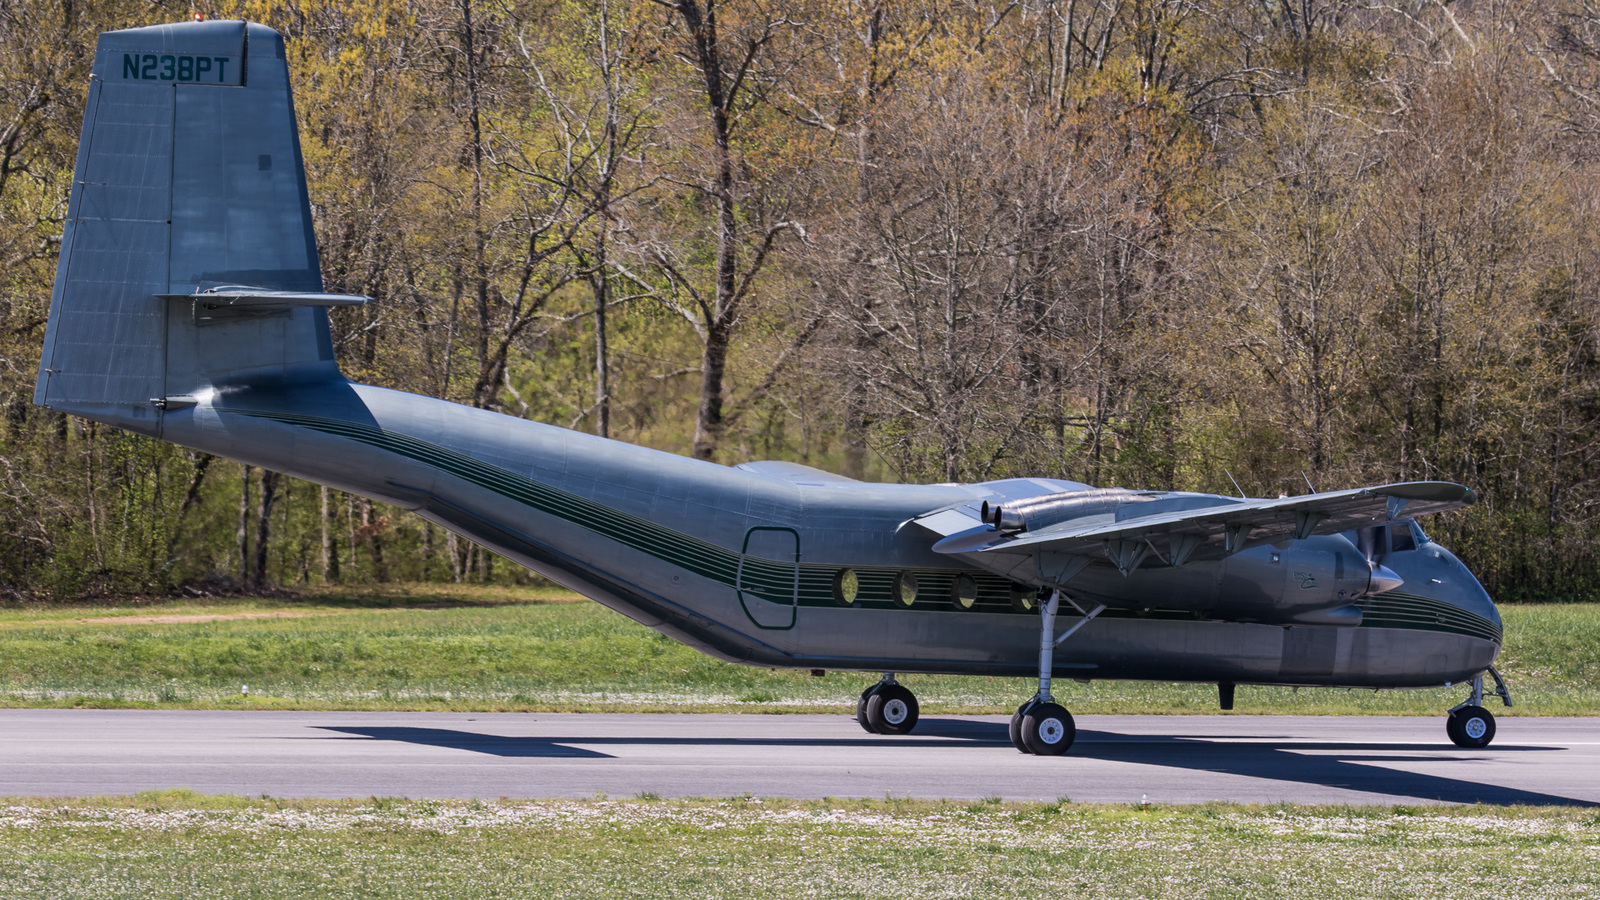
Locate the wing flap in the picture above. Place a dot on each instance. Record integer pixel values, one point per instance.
(947, 522)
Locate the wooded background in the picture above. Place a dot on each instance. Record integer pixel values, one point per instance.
(1144, 243)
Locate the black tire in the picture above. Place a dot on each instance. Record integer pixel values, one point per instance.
(1048, 729)
(892, 709)
(1016, 728)
(1471, 727)
(861, 710)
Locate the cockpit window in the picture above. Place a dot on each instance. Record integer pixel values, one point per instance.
(1401, 539)
(1417, 532)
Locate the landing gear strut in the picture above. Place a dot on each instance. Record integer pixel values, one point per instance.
(887, 707)
(1469, 724)
(1041, 726)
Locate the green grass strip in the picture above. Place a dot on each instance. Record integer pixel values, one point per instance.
(176, 844)
(463, 648)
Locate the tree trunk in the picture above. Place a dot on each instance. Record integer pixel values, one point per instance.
(487, 392)
(601, 282)
(269, 494)
(458, 562)
(702, 28)
(713, 365)
(330, 544)
(191, 496)
(374, 536)
(244, 528)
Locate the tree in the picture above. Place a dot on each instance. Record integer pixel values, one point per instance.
(733, 53)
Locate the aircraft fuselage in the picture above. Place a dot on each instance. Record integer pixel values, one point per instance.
(745, 565)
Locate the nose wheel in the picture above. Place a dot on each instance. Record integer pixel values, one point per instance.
(1470, 725)
(887, 707)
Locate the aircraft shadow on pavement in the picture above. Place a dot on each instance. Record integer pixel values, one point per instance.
(1347, 765)
(542, 746)
(492, 744)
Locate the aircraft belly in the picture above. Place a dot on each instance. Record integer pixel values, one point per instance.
(1141, 649)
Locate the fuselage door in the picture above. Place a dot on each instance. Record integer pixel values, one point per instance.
(769, 576)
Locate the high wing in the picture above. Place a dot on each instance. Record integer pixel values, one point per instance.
(1203, 527)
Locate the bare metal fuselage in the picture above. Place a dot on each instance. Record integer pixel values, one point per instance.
(666, 540)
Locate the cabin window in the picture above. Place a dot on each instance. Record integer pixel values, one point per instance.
(964, 593)
(1400, 538)
(1418, 533)
(846, 585)
(905, 589)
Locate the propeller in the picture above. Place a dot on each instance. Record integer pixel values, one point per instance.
(1383, 578)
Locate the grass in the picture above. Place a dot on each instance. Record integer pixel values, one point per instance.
(471, 648)
(177, 844)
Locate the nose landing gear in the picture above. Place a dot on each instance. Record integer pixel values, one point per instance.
(1469, 724)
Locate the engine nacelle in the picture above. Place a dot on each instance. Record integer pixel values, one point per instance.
(1035, 513)
(1315, 581)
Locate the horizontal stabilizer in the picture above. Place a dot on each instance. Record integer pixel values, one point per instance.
(257, 298)
(1233, 525)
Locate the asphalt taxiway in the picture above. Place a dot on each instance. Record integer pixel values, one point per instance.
(1117, 759)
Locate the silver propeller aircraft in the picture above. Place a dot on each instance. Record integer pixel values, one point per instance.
(189, 306)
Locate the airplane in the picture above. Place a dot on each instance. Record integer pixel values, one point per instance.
(189, 306)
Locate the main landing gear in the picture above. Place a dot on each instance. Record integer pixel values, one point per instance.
(1041, 726)
(887, 707)
(1469, 724)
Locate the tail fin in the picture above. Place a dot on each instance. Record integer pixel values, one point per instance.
(189, 180)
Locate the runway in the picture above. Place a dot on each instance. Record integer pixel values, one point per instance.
(1117, 759)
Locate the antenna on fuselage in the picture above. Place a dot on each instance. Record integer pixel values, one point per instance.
(1308, 481)
(1235, 483)
(889, 464)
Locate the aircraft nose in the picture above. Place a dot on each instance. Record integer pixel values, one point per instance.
(1465, 592)
(1479, 601)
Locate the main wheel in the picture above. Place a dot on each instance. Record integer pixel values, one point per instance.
(1471, 727)
(891, 709)
(1048, 729)
(1016, 727)
(861, 709)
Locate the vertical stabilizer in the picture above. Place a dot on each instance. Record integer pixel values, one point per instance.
(189, 179)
